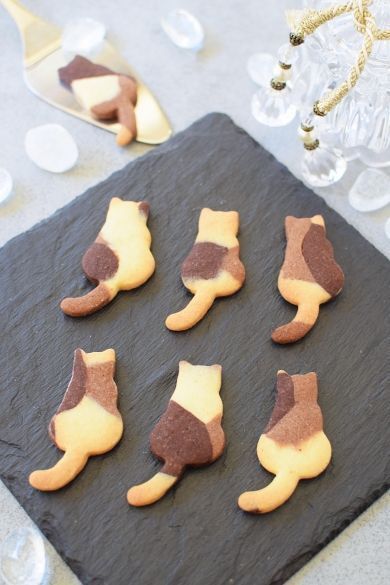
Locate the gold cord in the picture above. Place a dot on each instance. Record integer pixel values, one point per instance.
(364, 23)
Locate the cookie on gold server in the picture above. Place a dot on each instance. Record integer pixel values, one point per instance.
(106, 95)
(309, 276)
(119, 259)
(188, 434)
(87, 421)
(213, 267)
(293, 445)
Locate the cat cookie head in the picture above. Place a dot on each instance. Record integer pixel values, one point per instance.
(129, 208)
(218, 221)
(304, 386)
(196, 378)
(294, 223)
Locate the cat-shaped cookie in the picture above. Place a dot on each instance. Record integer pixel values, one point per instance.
(293, 445)
(213, 267)
(119, 259)
(87, 421)
(309, 276)
(188, 434)
(106, 95)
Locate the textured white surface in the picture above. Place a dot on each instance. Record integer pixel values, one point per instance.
(188, 86)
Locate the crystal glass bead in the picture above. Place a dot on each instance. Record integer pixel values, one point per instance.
(23, 558)
(280, 74)
(307, 137)
(323, 166)
(370, 191)
(184, 30)
(308, 120)
(6, 185)
(260, 68)
(82, 36)
(51, 148)
(273, 107)
(287, 54)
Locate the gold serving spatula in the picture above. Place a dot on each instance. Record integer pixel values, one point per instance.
(43, 56)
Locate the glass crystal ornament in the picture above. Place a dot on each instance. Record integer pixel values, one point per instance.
(273, 107)
(23, 559)
(184, 30)
(272, 104)
(6, 185)
(83, 36)
(320, 67)
(360, 125)
(322, 164)
(370, 191)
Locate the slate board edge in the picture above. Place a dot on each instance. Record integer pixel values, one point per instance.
(160, 150)
(351, 515)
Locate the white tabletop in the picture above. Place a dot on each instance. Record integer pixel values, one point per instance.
(188, 86)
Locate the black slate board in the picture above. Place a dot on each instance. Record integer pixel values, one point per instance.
(196, 535)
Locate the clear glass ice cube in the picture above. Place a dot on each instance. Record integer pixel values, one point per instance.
(23, 558)
(51, 147)
(370, 191)
(184, 30)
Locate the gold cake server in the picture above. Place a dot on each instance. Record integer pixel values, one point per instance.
(43, 56)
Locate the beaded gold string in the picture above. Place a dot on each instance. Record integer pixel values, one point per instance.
(308, 22)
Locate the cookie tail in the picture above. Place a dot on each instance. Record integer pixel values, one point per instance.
(303, 321)
(67, 468)
(192, 313)
(124, 136)
(96, 299)
(152, 490)
(272, 496)
(126, 117)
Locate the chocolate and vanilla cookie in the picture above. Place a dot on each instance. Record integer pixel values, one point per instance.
(309, 276)
(87, 421)
(119, 259)
(188, 434)
(212, 269)
(106, 95)
(293, 445)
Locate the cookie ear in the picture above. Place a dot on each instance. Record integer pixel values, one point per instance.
(289, 224)
(99, 357)
(204, 217)
(144, 208)
(184, 363)
(234, 220)
(115, 201)
(318, 220)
